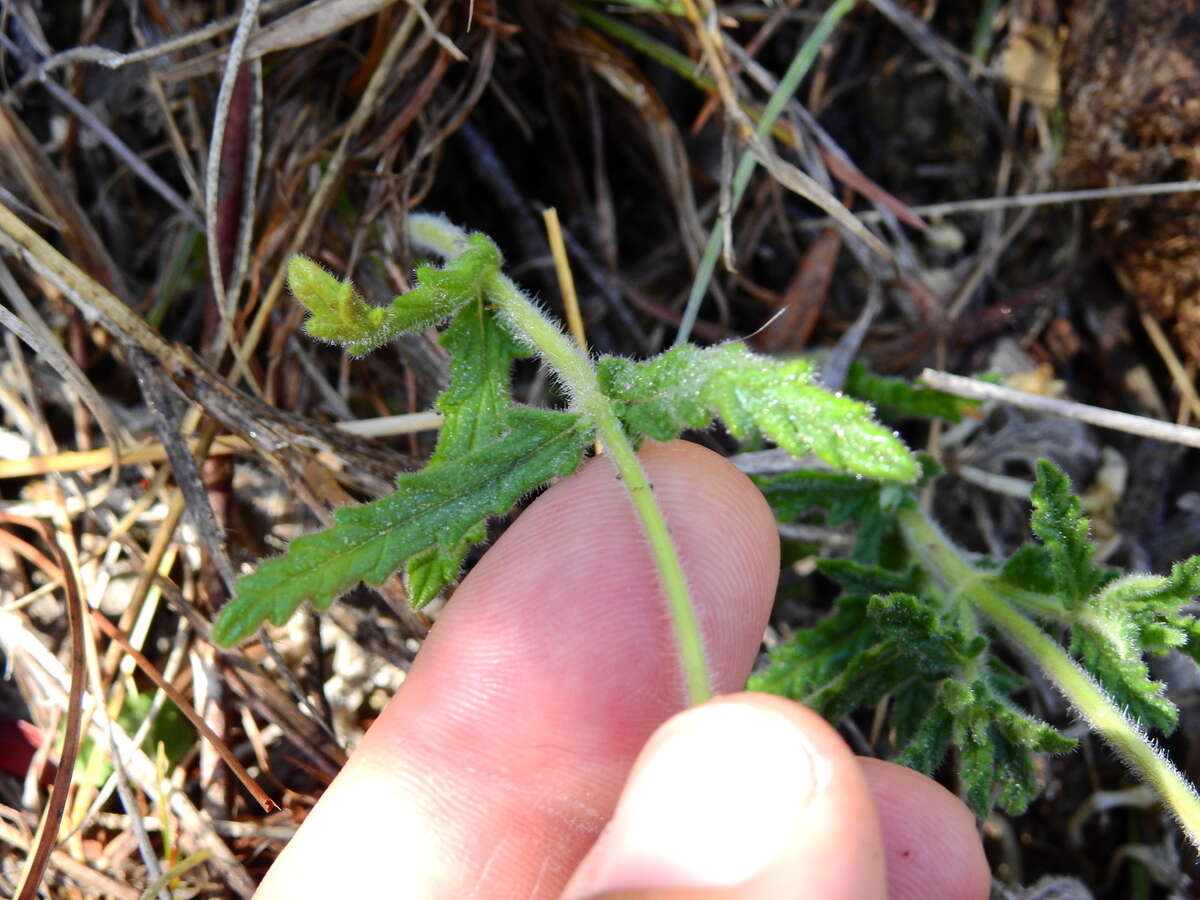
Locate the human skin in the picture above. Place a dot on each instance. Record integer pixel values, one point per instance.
(552, 676)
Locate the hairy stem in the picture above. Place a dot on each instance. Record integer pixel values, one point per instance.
(438, 235)
(580, 379)
(947, 566)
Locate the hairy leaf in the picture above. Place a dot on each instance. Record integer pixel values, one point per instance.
(856, 578)
(838, 498)
(341, 316)
(1112, 630)
(814, 656)
(430, 509)
(996, 741)
(753, 395)
(947, 691)
(1114, 623)
(1030, 568)
(898, 398)
(476, 407)
(1063, 529)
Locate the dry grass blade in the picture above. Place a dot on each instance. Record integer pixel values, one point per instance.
(311, 23)
(196, 831)
(28, 171)
(321, 196)
(942, 56)
(82, 874)
(1032, 200)
(34, 332)
(806, 186)
(185, 707)
(566, 282)
(111, 59)
(223, 445)
(247, 153)
(47, 834)
(263, 425)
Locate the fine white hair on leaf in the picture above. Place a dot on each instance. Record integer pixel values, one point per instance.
(514, 329)
(436, 234)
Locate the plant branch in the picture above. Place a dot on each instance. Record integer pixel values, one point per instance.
(948, 567)
(437, 234)
(580, 379)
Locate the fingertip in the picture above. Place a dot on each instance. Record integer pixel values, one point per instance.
(750, 794)
(502, 755)
(930, 836)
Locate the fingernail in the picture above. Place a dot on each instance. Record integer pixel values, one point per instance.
(711, 803)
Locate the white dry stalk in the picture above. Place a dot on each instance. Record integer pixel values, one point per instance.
(971, 389)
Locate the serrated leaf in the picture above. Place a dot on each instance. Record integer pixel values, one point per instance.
(1189, 627)
(856, 578)
(1063, 529)
(430, 509)
(1030, 568)
(814, 656)
(341, 316)
(996, 741)
(840, 498)
(947, 691)
(924, 727)
(1112, 630)
(476, 403)
(753, 395)
(476, 407)
(1125, 677)
(897, 398)
(866, 649)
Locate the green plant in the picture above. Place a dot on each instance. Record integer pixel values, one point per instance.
(491, 452)
(918, 618)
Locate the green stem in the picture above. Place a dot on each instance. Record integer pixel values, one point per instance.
(580, 378)
(685, 67)
(947, 565)
(783, 92)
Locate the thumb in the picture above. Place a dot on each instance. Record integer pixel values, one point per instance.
(745, 797)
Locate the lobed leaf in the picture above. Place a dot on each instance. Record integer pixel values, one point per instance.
(1131, 616)
(1030, 568)
(1113, 623)
(341, 316)
(898, 398)
(814, 656)
(753, 395)
(947, 691)
(840, 498)
(996, 742)
(430, 509)
(476, 408)
(1063, 529)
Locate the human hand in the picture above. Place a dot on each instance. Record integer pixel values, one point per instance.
(504, 755)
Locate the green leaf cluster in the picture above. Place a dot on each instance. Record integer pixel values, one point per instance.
(1113, 621)
(491, 452)
(488, 455)
(341, 316)
(688, 386)
(946, 688)
(907, 627)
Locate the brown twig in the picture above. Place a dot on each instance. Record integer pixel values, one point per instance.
(185, 707)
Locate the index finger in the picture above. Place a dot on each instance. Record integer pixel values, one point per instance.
(493, 769)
